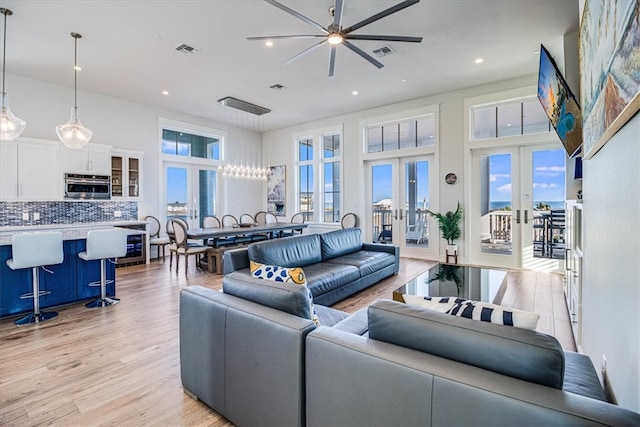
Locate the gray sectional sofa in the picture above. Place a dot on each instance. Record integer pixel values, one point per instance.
(253, 355)
(337, 264)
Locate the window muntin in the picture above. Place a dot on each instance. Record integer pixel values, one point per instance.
(331, 188)
(190, 145)
(520, 117)
(401, 135)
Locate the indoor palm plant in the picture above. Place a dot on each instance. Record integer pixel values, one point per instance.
(449, 225)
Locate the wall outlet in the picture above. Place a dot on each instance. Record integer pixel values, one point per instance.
(36, 216)
(25, 216)
(117, 214)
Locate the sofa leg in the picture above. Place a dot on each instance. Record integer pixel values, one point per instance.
(191, 395)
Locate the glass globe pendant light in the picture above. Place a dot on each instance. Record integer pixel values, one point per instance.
(73, 134)
(10, 126)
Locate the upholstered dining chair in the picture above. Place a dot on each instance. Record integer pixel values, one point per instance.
(211, 221)
(247, 219)
(261, 218)
(229, 220)
(349, 220)
(153, 227)
(184, 247)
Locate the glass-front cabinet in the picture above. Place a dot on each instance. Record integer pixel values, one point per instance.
(126, 174)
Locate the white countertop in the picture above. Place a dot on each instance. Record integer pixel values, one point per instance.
(69, 231)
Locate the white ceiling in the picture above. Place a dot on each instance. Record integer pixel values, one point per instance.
(127, 51)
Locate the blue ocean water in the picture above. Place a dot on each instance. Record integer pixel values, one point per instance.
(556, 204)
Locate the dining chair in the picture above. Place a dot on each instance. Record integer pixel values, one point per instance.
(229, 220)
(153, 227)
(260, 218)
(247, 219)
(184, 247)
(211, 221)
(349, 220)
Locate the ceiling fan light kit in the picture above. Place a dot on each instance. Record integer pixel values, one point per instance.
(335, 35)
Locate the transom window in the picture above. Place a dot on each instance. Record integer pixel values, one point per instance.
(511, 118)
(410, 133)
(190, 145)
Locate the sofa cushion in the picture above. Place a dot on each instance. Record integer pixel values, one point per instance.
(324, 276)
(297, 251)
(519, 353)
(284, 275)
(287, 297)
(340, 242)
(580, 376)
(476, 310)
(367, 262)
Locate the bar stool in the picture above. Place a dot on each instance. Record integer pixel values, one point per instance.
(102, 245)
(35, 250)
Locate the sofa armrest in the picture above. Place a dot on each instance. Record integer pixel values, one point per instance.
(381, 247)
(235, 259)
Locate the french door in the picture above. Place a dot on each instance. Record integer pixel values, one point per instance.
(513, 192)
(400, 193)
(190, 192)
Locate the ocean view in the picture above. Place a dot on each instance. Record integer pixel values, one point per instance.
(557, 204)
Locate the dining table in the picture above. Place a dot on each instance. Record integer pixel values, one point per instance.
(273, 230)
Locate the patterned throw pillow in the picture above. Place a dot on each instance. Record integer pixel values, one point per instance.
(285, 275)
(476, 310)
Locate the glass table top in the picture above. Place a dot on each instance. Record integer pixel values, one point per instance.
(442, 280)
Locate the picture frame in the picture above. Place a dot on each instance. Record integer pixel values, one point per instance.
(610, 93)
(276, 191)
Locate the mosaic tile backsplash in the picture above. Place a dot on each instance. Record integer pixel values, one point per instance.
(12, 213)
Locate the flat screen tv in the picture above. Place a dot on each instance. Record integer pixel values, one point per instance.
(559, 103)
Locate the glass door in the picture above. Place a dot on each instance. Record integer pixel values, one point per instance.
(399, 192)
(513, 193)
(190, 192)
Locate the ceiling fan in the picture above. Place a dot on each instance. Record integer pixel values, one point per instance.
(335, 35)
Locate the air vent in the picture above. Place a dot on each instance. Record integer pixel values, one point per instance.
(277, 86)
(243, 105)
(383, 51)
(186, 49)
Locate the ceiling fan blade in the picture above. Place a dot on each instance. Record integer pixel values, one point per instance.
(384, 38)
(292, 36)
(304, 52)
(332, 60)
(337, 13)
(297, 15)
(363, 54)
(377, 16)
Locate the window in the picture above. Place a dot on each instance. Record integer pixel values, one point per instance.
(512, 118)
(400, 135)
(190, 145)
(319, 197)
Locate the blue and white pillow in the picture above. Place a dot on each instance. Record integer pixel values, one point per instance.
(492, 313)
(285, 275)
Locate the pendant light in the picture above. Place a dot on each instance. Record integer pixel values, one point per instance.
(10, 126)
(73, 134)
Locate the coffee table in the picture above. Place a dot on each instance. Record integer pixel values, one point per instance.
(468, 282)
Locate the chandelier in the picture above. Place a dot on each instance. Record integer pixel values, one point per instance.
(244, 170)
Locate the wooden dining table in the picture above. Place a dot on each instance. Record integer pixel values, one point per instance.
(274, 230)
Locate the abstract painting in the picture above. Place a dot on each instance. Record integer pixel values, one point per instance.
(609, 61)
(276, 186)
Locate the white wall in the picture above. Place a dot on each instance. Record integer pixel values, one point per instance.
(128, 125)
(611, 262)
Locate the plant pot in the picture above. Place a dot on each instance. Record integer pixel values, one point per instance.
(452, 249)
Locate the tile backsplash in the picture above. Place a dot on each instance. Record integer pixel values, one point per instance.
(15, 214)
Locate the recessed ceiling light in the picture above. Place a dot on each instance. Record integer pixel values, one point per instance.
(165, 92)
(508, 125)
(268, 43)
(536, 52)
(77, 68)
(355, 92)
(404, 80)
(479, 61)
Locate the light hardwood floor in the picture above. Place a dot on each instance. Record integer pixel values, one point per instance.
(120, 365)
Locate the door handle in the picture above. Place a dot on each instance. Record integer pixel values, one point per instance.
(195, 214)
(518, 216)
(401, 217)
(395, 214)
(526, 215)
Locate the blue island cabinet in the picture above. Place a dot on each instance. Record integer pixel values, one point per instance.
(69, 282)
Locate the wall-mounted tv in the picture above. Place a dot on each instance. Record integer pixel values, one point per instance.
(559, 103)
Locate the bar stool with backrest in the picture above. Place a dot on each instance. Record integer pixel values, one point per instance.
(184, 247)
(153, 227)
(103, 245)
(35, 250)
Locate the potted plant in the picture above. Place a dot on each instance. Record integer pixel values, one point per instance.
(449, 225)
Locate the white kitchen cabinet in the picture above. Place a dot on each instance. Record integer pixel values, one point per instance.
(573, 268)
(29, 171)
(92, 159)
(126, 174)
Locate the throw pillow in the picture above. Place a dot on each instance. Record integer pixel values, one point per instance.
(486, 312)
(286, 275)
(440, 304)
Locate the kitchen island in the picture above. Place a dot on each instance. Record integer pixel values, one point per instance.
(70, 280)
